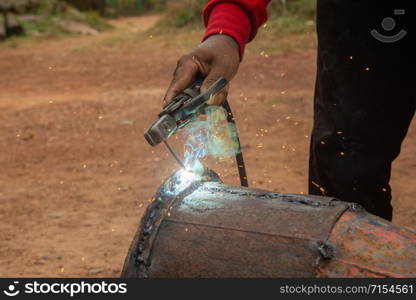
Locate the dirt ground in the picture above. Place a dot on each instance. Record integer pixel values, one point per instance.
(76, 172)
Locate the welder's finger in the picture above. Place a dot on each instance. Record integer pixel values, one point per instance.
(185, 73)
(219, 98)
(212, 77)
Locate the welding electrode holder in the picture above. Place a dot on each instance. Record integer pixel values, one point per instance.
(185, 108)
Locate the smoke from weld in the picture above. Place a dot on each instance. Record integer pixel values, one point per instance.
(213, 137)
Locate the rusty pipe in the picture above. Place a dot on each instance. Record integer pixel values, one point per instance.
(210, 229)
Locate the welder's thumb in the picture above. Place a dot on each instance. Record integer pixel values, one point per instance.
(212, 77)
(186, 71)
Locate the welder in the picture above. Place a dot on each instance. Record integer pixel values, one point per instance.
(364, 94)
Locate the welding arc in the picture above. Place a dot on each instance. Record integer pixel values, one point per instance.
(174, 154)
(239, 155)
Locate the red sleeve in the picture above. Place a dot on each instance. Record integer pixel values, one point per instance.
(239, 19)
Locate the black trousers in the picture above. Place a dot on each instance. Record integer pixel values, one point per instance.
(365, 99)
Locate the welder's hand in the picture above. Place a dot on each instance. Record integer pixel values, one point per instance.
(218, 56)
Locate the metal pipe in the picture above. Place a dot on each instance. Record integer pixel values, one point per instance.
(210, 229)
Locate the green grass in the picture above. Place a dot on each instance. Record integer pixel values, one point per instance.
(121, 8)
(45, 27)
(285, 16)
(290, 27)
(48, 15)
(291, 24)
(94, 20)
(303, 9)
(184, 14)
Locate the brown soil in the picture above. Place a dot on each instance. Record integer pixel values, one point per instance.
(76, 172)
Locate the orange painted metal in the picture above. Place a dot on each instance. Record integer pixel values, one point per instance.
(368, 246)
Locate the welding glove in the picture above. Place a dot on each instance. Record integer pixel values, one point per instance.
(217, 56)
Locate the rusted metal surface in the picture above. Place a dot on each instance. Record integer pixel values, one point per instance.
(138, 258)
(216, 230)
(368, 246)
(209, 229)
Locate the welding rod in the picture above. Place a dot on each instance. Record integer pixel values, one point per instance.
(174, 154)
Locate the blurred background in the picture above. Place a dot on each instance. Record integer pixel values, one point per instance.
(56, 17)
(80, 82)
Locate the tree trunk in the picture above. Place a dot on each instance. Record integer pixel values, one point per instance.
(21, 6)
(2, 26)
(5, 5)
(12, 25)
